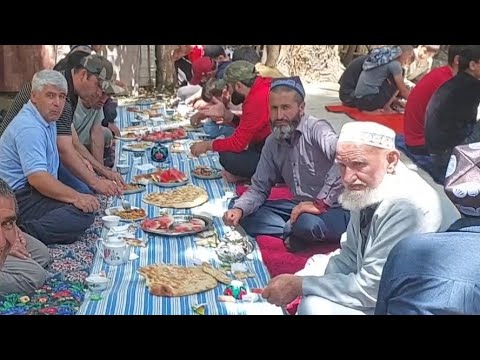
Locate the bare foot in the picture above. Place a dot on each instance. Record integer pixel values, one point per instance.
(230, 178)
(398, 109)
(375, 112)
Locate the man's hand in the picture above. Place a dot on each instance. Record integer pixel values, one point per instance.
(283, 289)
(200, 148)
(19, 250)
(115, 129)
(115, 177)
(107, 187)
(197, 118)
(232, 217)
(86, 203)
(305, 207)
(214, 110)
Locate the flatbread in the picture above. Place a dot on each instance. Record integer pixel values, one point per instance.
(175, 281)
(135, 242)
(217, 274)
(185, 197)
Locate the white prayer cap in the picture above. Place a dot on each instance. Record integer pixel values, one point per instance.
(368, 133)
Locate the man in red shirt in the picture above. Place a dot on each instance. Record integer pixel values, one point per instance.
(240, 153)
(196, 52)
(414, 125)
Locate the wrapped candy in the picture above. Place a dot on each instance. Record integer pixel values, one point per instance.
(236, 290)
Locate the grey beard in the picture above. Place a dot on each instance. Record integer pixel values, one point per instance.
(284, 132)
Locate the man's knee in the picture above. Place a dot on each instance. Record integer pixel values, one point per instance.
(249, 224)
(22, 276)
(227, 159)
(85, 219)
(38, 250)
(81, 221)
(253, 224)
(310, 228)
(37, 278)
(307, 306)
(316, 305)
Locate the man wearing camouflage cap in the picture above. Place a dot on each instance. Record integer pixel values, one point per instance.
(240, 153)
(87, 129)
(88, 80)
(92, 127)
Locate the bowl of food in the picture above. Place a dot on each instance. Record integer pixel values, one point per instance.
(111, 221)
(234, 247)
(97, 283)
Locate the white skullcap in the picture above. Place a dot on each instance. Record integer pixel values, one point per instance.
(368, 133)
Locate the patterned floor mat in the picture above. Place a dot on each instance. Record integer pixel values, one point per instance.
(64, 290)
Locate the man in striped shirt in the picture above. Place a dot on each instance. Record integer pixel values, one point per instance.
(89, 81)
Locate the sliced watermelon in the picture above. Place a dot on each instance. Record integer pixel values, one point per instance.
(177, 175)
(150, 224)
(199, 222)
(165, 221)
(183, 227)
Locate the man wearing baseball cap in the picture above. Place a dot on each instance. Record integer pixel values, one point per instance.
(89, 80)
(91, 122)
(203, 69)
(240, 153)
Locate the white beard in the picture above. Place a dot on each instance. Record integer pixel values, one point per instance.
(356, 200)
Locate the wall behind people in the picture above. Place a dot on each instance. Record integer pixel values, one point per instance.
(18, 63)
(126, 62)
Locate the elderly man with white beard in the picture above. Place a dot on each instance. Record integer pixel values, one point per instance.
(300, 152)
(387, 203)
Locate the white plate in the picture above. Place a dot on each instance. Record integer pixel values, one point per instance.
(126, 139)
(129, 148)
(136, 191)
(171, 185)
(215, 176)
(112, 210)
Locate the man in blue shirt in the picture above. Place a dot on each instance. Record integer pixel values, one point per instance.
(49, 210)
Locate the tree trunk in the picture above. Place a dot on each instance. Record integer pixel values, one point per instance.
(313, 63)
(273, 52)
(349, 55)
(166, 77)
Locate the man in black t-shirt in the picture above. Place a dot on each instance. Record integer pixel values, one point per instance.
(349, 79)
(451, 116)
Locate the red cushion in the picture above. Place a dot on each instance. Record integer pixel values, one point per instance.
(279, 192)
(279, 260)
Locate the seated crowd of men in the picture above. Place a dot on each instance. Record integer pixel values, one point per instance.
(349, 188)
(440, 109)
